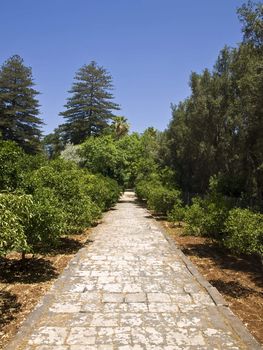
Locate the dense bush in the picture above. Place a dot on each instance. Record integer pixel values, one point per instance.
(244, 231)
(194, 218)
(48, 219)
(144, 187)
(67, 186)
(162, 199)
(103, 191)
(15, 214)
(81, 196)
(11, 157)
(207, 216)
(177, 214)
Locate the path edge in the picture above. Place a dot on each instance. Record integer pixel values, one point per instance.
(237, 325)
(18, 340)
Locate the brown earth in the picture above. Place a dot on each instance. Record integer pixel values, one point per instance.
(238, 278)
(24, 282)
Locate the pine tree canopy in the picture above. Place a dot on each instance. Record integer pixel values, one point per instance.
(19, 111)
(90, 106)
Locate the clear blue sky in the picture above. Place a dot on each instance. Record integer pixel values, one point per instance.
(149, 47)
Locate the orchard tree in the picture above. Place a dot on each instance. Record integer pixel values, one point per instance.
(90, 106)
(19, 111)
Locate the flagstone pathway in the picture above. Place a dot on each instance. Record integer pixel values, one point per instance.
(131, 288)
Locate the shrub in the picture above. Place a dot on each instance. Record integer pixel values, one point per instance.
(177, 214)
(244, 231)
(194, 218)
(48, 219)
(103, 191)
(15, 214)
(145, 186)
(12, 237)
(207, 216)
(11, 156)
(162, 199)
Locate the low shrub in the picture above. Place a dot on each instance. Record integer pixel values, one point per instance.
(162, 199)
(194, 218)
(177, 214)
(144, 187)
(207, 216)
(244, 231)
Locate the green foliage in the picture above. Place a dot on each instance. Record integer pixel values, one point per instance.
(68, 186)
(102, 191)
(19, 106)
(12, 235)
(15, 214)
(194, 218)
(101, 155)
(48, 219)
(177, 214)
(162, 199)
(144, 187)
(218, 129)
(244, 231)
(80, 196)
(10, 165)
(207, 216)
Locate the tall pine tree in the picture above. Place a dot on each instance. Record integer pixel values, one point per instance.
(19, 111)
(90, 107)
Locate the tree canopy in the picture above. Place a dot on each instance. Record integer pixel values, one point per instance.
(89, 108)
(19, 111)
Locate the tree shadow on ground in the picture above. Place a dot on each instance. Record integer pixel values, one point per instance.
(65, 246)
(234, 288)
(8, 307)
(223, 258)
(33, 270)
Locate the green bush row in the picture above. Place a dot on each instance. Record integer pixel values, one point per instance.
(159, 198)
(240, 230)
(40, 200)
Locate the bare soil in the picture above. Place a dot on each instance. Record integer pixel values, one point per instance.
(238, 278)
(24, 282)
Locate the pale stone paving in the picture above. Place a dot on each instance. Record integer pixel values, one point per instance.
(129, 289)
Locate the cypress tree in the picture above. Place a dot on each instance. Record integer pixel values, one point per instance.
(19, 111)
(90, 107)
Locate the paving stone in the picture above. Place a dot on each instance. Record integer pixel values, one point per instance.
(49, 336)
(113, 298)
(135, 298)
(82, 335)
(50, 347)
(65, 308)
(158, 297)
(131, 289)
(105, 320)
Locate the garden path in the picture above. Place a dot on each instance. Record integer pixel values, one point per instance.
(131, 288)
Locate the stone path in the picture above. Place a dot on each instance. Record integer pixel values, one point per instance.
(131, 289)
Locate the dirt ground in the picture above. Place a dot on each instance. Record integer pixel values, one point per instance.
(23, 283)
(238, 278)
